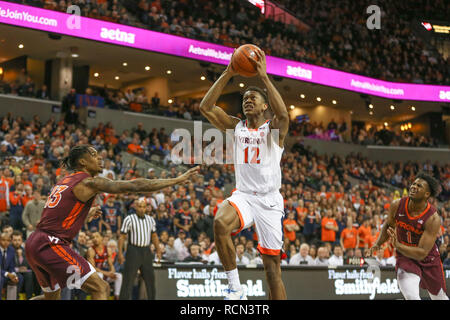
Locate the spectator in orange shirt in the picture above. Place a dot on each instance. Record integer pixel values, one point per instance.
(349, 236)
(134, 147)
(25, 179)
(364, 233)
(329, 227)
(290, 226)
(372, 237)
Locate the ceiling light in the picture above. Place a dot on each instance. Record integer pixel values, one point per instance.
(292, 107)
(318, 99)
(116, 77)
(147, 68)
(75, 55)
(170, 101)
(392, 107)
(302, 96)
(334, 101)
(202, 78)
(241, 85)
(413, 108)
(20, 46)
(169, 71)
(124, 64)
(371, 106)
(385, 124)
(409, 125)
(371, 112)
(96, 74)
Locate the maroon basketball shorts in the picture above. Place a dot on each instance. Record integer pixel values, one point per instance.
(429, 270)
(55, 264)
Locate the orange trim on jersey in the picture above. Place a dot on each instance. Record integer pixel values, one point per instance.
(68, 222)
(415, 218)
(241, 219)
(65, 255)
(270, 252)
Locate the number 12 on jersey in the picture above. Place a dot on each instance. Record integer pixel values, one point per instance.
(255, 158)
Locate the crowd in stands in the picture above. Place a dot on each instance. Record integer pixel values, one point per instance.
(337, 37)
(329, 218)
(24, 86)
(334, 131)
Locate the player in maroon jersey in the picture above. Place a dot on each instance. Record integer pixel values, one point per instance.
(48, 250)
(413, 225)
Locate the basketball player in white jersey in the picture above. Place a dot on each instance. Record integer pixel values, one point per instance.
(258, 146)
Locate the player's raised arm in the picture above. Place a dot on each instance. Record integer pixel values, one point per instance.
(219, 118)
(91, 186)
(281, 119)
(389, 223)
(426, 241)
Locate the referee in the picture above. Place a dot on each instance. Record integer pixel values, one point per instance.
(141, 229)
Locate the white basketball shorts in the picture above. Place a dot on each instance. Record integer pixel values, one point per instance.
(266, 212)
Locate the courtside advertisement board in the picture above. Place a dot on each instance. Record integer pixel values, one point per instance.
(87, 28)
(199, 282)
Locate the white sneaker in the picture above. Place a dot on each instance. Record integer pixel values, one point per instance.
(235, 294)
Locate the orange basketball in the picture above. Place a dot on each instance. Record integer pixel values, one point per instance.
(241, 61)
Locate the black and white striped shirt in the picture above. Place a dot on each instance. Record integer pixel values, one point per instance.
(139, 229)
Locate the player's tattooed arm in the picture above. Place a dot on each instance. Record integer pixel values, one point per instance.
(384, 236)
(426, 241)
(91, 186)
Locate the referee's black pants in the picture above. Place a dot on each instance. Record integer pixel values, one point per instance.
(138, 258)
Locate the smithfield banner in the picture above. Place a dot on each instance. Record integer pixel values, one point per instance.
(103, 31)
(200, 282)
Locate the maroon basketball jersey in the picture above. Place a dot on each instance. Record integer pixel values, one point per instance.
(410, 229)
(101, 258)
(64, 214)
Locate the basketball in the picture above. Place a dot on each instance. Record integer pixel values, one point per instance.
(241, 60)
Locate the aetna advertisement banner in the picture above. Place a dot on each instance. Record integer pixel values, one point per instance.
(198, 282)
(82, 27)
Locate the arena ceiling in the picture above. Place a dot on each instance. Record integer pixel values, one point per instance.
(185, 78)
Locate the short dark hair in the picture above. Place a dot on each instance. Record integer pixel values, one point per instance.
(17, 233)
(261, 91)
(71, 161)
(433, 184)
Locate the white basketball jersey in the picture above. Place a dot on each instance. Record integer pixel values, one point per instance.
(257, 157)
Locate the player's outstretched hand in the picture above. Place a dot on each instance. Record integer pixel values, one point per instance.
(370, 252)
(94, 213)
(189, 174)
